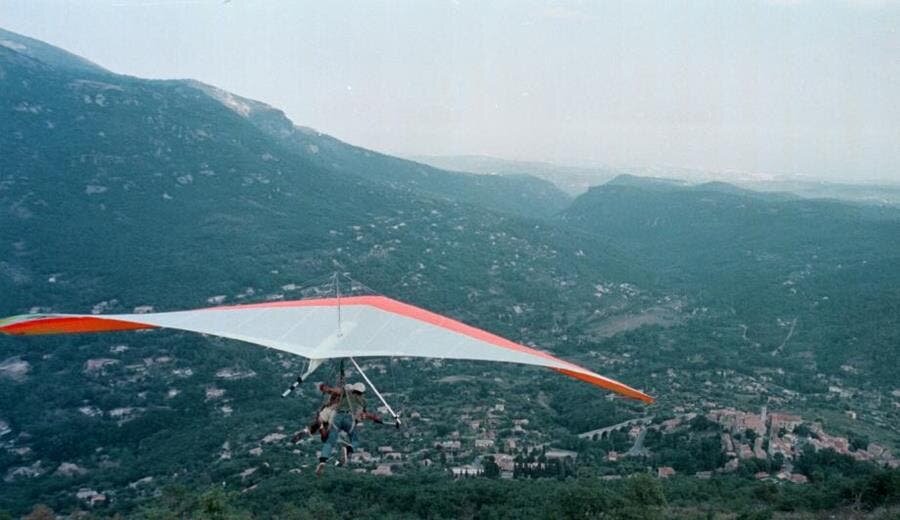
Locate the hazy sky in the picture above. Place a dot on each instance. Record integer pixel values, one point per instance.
(800, 87)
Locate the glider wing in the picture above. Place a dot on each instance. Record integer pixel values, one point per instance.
(356, 326)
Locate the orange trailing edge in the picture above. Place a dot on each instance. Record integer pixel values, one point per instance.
(33, 326)
(608, 384)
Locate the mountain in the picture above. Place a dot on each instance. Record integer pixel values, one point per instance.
(806, 270)
(523, 195)
(863, 193)
(672, 185)
(574, 180)
(48, 54)
(646, 183)
(170, 174)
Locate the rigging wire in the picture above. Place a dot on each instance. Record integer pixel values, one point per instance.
(394, 414)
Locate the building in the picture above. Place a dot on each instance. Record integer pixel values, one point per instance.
(665, 471)
(727, 444)
(90, 496)
(361, 456)
(783, 445)
(758, 450)
(504, 461)
(467, 471)
(797, 478)
(383, 470)
(560, 454)
(671, 424)
(448, 445)
(777, 421)
(737, 421)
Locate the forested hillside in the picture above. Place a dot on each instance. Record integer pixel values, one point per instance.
(827, 272)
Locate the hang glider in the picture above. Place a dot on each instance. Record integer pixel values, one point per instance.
(327, 328)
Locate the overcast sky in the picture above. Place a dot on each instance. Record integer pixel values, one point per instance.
(791, 87)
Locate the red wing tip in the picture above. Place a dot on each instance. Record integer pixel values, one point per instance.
(608, 384)
(38, 325)
(647, 399)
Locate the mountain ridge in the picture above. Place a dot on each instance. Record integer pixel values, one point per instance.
(48, 54)
(520, 195)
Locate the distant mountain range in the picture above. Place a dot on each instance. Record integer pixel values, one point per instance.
(571, 179)
(575, 180)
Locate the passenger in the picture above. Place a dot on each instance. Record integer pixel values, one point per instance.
(349, 411)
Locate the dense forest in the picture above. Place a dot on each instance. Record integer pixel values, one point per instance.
(837, 485)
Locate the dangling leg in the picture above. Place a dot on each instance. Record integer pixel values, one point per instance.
(331, 437)
(354, 437)
(345, 424)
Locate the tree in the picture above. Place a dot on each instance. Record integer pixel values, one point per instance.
(858, 441)
(491, 469)
(777, 462)
(588, 498)
(318, 509)
(41, 512)
(750, 435)
(644, 498)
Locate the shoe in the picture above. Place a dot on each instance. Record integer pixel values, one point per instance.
(320, 469)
